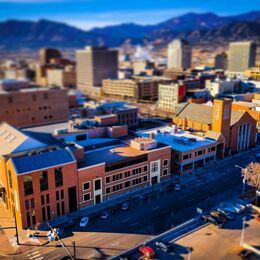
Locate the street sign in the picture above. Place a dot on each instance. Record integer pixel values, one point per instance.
(200, 211)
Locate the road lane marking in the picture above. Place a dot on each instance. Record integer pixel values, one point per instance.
(156, 207)
(33, 253)
(35, 256)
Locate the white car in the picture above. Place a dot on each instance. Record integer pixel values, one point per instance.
(105, 215)
(177, 187)
(84, 221)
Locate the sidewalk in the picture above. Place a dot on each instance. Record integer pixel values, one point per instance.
(8, 238)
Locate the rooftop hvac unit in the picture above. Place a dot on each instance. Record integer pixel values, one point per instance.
(60, 131)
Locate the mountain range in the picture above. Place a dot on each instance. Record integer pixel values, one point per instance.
(196, 28)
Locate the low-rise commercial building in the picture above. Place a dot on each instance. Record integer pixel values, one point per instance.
(253, 73)
(64, 78)
(189, 151)
(136, 89)
(34, 106)
(237, 127)
(42, 178)
(171, 95)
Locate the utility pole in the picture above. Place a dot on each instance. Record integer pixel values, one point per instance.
(16, 230)
(74, 250)
(243, 232)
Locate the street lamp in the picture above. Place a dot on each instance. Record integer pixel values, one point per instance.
(244, 179)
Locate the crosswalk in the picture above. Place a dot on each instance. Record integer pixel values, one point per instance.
(35, 256)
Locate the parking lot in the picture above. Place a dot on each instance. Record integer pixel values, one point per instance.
(211, 241)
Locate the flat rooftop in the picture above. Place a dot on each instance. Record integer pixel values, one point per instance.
(113, 153)
(48, 128)
(179, 140)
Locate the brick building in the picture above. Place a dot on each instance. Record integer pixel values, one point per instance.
(237, 127)
(34, 106)
(42, 177)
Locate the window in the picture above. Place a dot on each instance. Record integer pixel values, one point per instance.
(165, 162)
(200, 152)
(48, 212)
(154, 166)
(165, 171)
(107, 179)
(47, 198)
(57, 195)
(28, 219)
(44, 181)
(28, 185)
(145, 168)
(127, 184)
(58, 177)
(10, 179)
(213, 149)
(62, 208)
(27, 204)
(62, 194)
(10, 100)
(145, 178)
(114, 177)
(81, 137)
(97, 184)
(86, 197)
(107, 190)
(42, 199)
(58, 209)
(32, 203)
(86, 185)
(43, 215)
(185, 157)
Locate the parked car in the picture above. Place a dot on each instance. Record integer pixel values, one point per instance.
(125, 206)
(227, 214)
(177, 187)
(217, 214)
(215, 221)
(146, 251)
(241, 207)
(84, 221)
(244, 253)
(105, 215)
(231, 208)
(164, 246)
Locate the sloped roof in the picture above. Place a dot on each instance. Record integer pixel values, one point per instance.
(202, 113)
(14, 140)
(46, 159)
(235, 116)
(197, 112)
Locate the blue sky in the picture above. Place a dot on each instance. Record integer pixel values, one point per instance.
(91, 13)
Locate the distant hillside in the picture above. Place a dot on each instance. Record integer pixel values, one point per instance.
(196, 28)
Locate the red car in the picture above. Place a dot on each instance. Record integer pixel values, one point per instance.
(147, 251)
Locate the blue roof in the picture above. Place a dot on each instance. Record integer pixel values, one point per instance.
(46, 159)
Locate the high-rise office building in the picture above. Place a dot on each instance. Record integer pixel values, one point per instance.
(46, 54)
(242, 55)
(221, 61)
(94, 64)
(179, 54)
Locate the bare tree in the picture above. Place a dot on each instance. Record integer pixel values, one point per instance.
(252, 174)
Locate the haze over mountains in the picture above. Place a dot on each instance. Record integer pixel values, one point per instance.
(196, 28)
